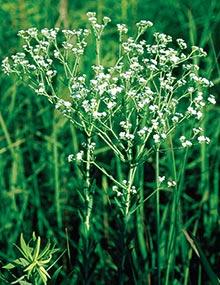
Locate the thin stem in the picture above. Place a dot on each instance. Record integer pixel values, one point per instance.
(107, 140)
(128, 194)
(172, 231)
(120, 45)
(98, 43)
(131, 175)
(187, 265)
(89, 199)
(108, 175)
(56, 178)
(158, 215)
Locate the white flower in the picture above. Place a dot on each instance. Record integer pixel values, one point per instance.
(181, 43)
(199, 97)
(114, 188)
(67, 104)
(86, 105)
(200, 50)
(211, 99)
(191, 89)
(199, 115)
(143, 131)
(144, 24)
(41, 90)
(130, 136)
(122, 135)
(63, 103)
(123, 124)
(97, 114)
(191, 111)
(91, 15)
(92, 146)
(113, 91)
(155, 124)
(161, 178)
(171, 183)
(133, 190)
(70, 158)
(32, 32)
(186, 143)
(6, 66)
(122, 28)
(174, 58)
(163, 135)
(197, 130)
(204, 139)
(142, 81)
(106, 20)
(56, 54)
(110, 105)
(51, 73)
(79, 155)
(182, 138)
(175, 119)
(156, 138)
(153, 108)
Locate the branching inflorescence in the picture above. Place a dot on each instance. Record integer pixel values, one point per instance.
(133, 106)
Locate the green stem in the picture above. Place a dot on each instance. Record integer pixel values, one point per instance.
(108, 175)
(158, 215)
(175, 220)
(98, 42)
(56, 178)
(190, 252)
(128, 194)
(120, 45)
(89, 199)
(131, 175)
(172, 230)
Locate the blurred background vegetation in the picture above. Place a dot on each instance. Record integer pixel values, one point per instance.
(35, 140)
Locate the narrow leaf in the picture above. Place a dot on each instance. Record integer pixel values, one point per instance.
(37, 249)
(198, 250)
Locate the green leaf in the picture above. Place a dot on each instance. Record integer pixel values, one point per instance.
(21, 261)
(199, 252)
(37, 249)
(23, 243)
(43, 262)
(55, 275)
(25, 249)
(8, 266)
(42, 269)
(119, 205)
(30, 268)
(43, 274)
(43, 277)
(45, 250)
(34, 236)
(19, 280)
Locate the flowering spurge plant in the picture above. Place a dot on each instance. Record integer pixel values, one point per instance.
(134, 106)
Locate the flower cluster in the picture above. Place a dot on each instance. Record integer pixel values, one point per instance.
(134, 104)
(97, 28)
(169, 183)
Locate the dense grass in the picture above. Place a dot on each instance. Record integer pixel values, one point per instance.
(40, 189)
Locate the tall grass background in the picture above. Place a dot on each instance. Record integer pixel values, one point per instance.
(39, 188)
